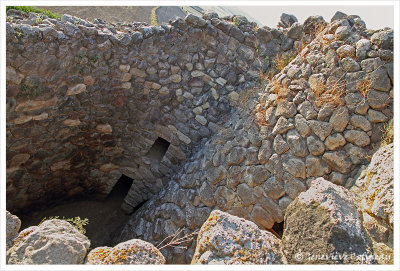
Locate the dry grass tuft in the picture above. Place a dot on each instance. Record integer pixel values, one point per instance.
(329, 93)
(364, 86)
(282, 60)
(388, 133)
(280, 90)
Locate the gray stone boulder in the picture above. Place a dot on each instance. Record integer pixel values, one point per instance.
(13, 224)
(383, 39)
(376, 192)
(227, 239)
(287, 20)
(53, 242)
(133, 251)
(324, 226)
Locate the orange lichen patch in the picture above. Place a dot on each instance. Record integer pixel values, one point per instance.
(23, 234)
(98, 255)
(120, 256)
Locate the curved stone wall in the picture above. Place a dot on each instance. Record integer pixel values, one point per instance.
(85, 105)
(86, 101)
(313, 120)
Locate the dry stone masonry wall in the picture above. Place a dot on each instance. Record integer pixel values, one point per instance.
(255, 171)
(86, 103)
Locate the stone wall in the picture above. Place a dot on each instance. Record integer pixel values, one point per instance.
(268, 153)
(105, 99)
(86, 101)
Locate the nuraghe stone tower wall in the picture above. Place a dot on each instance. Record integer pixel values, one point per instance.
(88, 102)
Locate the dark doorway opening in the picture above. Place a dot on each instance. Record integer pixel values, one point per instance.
(120, 189)
(158, 150)
(278, 229)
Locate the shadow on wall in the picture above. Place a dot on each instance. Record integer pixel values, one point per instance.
(106, 219)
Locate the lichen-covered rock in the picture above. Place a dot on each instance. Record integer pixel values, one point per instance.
(375, 188)
(53, 242)
(13, 224)
(324, 226)
(134, 251)
(227, 239)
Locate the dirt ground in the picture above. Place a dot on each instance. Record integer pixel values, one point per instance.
(110, 14)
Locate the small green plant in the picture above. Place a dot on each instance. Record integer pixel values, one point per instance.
(236, 21)
(154, 16)
(29, 92)
(10, 19)
(39, 19)
(83, 58)
(18, 32)
(48, 13)
(93, 60)
(77, 222)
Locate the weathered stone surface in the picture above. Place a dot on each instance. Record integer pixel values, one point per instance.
(293, 187)
(216, 174)
(265, 151)
(316, 167)
(246, 194)
(330, 211)
(282, 126)
(295, 31)
(371, 64)
(378, 100)
(376, 116)
(380, 80)
(133, 251)
(53, 242)
(273, 188)
(280, 145)
(350, 64)
(77, 89)
(35, 105)
(383, 39)
(236, 156)
(375, 190)
(339, 119)
(320, 128)
(337, 160)
(307, 110)
(302, 126)
(286, 109)
(346, 51)
(270, 117)
(361, 122)
(359, 138)
(334, 141)
(342, 32)
(295, 166)
(13, 224)
(296, 143)
(315, 146)
(227, 239)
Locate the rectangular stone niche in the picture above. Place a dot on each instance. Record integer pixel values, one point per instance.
(158, 150)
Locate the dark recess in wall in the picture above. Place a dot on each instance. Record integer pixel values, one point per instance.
(121, 188)
(158, 150)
